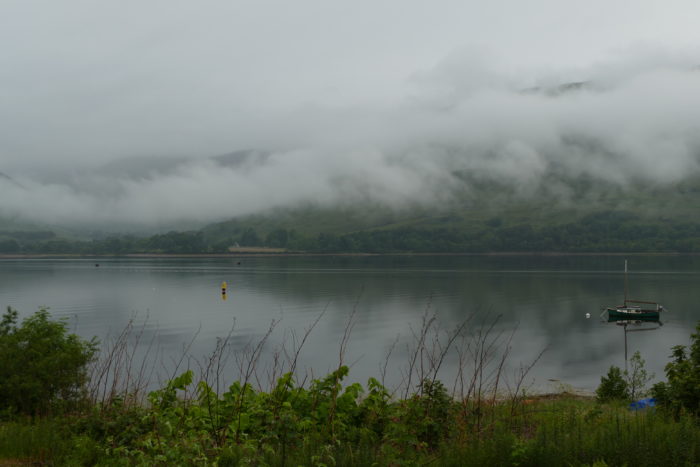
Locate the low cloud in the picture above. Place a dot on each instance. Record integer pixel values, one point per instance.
(468, 119)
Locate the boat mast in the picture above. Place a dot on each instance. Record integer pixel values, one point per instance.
(625, 328)
(625, 283)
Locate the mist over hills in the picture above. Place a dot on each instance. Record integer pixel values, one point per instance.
(476, 202)
(560, 213)
(553, 196)
(557, 201)
(469, 148)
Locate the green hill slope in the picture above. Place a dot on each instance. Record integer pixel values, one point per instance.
(490, 208)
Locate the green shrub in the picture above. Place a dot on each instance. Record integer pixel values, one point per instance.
(42, 367)
(624, 385)
(612, 387)
(637, 377)
(682, 390)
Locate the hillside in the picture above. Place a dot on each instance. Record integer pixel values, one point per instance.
(492, 208)
(557, 213)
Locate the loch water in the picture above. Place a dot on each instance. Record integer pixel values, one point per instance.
(536, 303)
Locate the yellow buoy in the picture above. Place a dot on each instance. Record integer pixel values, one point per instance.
(223, 287)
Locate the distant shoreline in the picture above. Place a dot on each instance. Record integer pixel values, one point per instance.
(262, 253)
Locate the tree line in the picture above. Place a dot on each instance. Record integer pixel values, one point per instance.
(600, 234)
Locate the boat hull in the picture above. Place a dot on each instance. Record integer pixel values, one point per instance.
(633, 314)
(635, 320)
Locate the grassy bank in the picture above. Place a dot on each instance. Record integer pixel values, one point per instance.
(305, 428)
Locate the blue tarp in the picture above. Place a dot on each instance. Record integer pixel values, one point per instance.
(643, 404)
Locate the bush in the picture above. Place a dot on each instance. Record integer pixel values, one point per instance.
(612, 387)
(624, 385)
(682, 390)
(42, 367)
(637, 377)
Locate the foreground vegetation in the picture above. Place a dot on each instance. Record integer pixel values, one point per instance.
(86, 418)
(300, 431)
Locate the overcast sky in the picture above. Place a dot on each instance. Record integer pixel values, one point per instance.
(338, 85)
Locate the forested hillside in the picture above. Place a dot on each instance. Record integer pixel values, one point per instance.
(586, 216)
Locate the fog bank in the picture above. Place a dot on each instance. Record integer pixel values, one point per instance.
(634, 119)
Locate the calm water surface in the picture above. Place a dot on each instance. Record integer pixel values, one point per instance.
(544, 299)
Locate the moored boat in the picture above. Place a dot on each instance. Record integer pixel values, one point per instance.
(635, 309)
(635, 312)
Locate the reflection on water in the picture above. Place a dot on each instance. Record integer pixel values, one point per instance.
(545, 298)
(640, 324)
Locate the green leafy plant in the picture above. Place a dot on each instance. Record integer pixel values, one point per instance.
(612, 386)
(42, 366)
(637, 377)
(682, 390)
(629, 384)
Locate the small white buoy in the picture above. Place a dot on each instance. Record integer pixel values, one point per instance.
(588, 315)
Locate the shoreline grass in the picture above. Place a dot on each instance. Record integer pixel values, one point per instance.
(545, 431)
